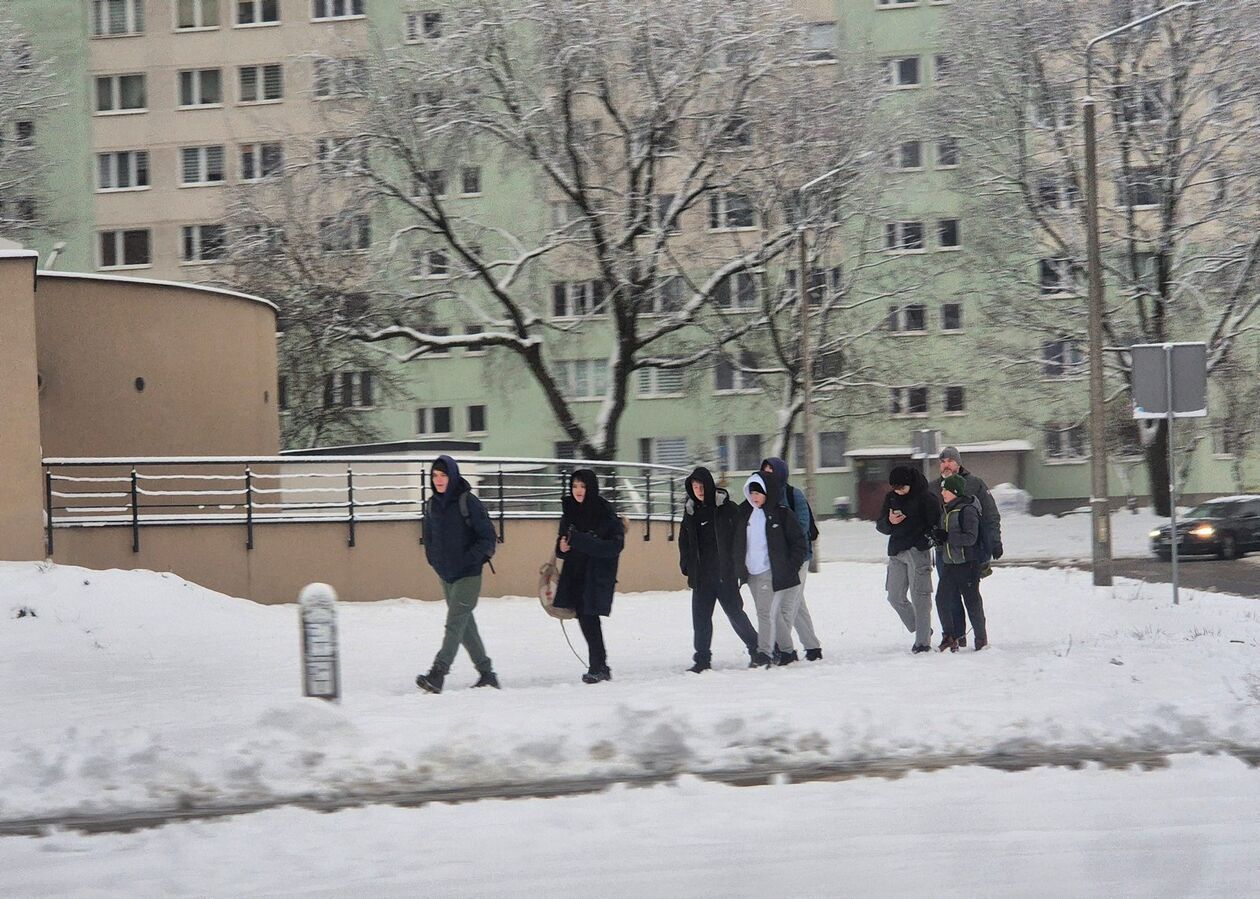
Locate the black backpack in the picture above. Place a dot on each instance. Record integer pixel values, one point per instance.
(813, 525)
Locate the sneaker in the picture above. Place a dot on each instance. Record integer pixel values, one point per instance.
(920, 647)
(787, 658)
(595, 677)
(981, 643)
(813, 655)
(431, 682)
(489, 679)
(760, 660)
(700, 666)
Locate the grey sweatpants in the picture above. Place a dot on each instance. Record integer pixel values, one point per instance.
(804, 623)
(912, 569)
(776, 610)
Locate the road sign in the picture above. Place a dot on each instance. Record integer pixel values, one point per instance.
(1152, 384)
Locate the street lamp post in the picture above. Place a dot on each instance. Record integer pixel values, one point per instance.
(1099, 492)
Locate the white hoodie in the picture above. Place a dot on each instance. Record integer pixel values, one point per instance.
(757, 555)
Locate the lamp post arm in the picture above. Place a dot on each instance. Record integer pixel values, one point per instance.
(1089, 48)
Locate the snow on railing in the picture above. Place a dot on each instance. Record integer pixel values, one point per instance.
(263, 490)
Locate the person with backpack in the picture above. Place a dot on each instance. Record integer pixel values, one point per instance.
(590, 541)
(706, 556)
(458, 540)
(794, 499)
(989, 544)
(909, 515)
(770, 549)
(957, 538)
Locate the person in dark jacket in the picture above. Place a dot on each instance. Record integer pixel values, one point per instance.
(770, 549)
(590, 542)
(794, 499)
(705, 555)
(989, 543)
(458, 540)
(908, 516)
(956, 539)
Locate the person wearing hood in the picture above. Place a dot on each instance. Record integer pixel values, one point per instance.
(458, 540)
(794, 499)
(706, 556)
(590, 541)
(770, 549)
(957, 539)
(989, 543)
(911, 511)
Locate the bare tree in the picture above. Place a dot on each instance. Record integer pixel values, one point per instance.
(1179, 102)
(28, 93)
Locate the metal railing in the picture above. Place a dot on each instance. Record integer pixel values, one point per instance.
(259, 491)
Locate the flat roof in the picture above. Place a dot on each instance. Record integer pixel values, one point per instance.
(18, 254)
(993, 446)
(221, 291)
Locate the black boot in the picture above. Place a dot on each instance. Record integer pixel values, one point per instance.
(813, 655)
(920, 647)
(787, 658)
(595, 676)
(760, 660)
(700, 666)
(431, 682)
(981, 642)
(962, 642)
(950, 643)
(489, 679)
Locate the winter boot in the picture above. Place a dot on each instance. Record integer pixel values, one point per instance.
(813, 655)
(431, 682)
(920, 647)
(787, 658)
(489, 679)
(760, 660)
(700, 666)
(981, 643)
(962, 642)
(950, 643)
(596, 676)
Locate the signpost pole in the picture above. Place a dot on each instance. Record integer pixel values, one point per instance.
(1172, 470)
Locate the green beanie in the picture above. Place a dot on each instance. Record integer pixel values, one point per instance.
(955, 484)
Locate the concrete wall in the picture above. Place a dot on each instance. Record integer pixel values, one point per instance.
(386, 562)
(21, 488)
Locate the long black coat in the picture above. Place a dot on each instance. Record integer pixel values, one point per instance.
(588, 578)
(707, 536)
(783, 537)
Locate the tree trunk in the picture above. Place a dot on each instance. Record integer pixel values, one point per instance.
(1157, 470)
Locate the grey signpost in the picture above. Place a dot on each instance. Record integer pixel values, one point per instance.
(926, 443)
(321, 675)
(1169, 382)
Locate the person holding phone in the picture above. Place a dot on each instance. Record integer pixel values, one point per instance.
(908, 516)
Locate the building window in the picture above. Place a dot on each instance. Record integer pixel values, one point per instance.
(947, 153)
(122, 170)
(955, 399)
(196, 14)
(323, 10)
(201, 165)
(1142, 103)
(200, 87)
(1058, 276)
(351, 234)
(820, 41)
(664, 451)
(657, 382)
(1054, 193)
(666, 296)
(261, 84)
(1065, 441)
(340, 77)
(584, 379)
(907, 156)
(909, 401)
(349, 388)
(951, 317)
(1062, 359)
(282, 393)
(477, 420)
(571, 299)
(948, 234)
(257, 12)
(1055, 109)
(262, 160)
(120, 93)
(113, 18)
(1140, 189)
(823, 282)
(477, 350)
(340, 155)
(737, 290)
(908, 319)
(423, 26)
(902, 72)
(832, 446)
(202, 243)
(432, 181)
(904, 237)
(736, 133)
(120, 249)
(729, 377)
(565, 213)
(660, 211)
(470, 180)
(431, 264)
(943, 64)
(441, 350)
(740, 452)
(730, 211)
(24, 210)
(24, 134)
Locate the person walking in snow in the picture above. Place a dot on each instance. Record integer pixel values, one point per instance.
(794, 499)
(956, 538)
(908, 516)
(706, 556)
(989, 545)
(590, 541)
(458, 540)
(770, 549)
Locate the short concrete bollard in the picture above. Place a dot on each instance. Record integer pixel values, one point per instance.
(321, 675)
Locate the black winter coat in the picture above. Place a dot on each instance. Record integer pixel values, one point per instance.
(922, 509)
(707, 537)
(588, 577)
(455, 548)
(783, 538)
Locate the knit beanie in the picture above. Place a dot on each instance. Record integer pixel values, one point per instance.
(955, 484)
(901, 476)
(756, 487)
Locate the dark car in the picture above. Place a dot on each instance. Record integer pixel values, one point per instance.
(1227, 527)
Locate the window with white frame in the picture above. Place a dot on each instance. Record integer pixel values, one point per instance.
(431, 181)
(201, 165)
(571, 299)
(902, 72)
(345, 77)
(125, 248)
(120, 93)
(433, 420)
(1057, 193)
(820, 41)
(910, 318)
(200, 87)
(737, 290)
(951, 317)
(196, 14)
(909, 401)
(474, 350)
(23, 134)
(202, 243)
(1141, 188)
(345, 234)
(739, 452)
(261, 84)
(115, 18)
(832, 446)
(1054, 109)
(352, 389)
(340, 155)
(584, 379)
(657, 382)
(904, 237)
(666, 296)
(729, 210)
(948, 234)
(477, 420)
(470, 180)
(664, 451)
(736, 133)
(257, 12)
(823, 282)
(422, 26)
(323, 10)
(947, 153)
(1064, 441)
(431, 264)
(564, 449)
(261, 160)
(1058, 276)
(955, 399)
(1062, 358)
(441, 351)
(122, 170)
(20, 210)
(660, 209)
(730, 377)
(907, 156)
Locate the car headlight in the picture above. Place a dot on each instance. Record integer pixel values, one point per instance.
(1203, 530)
(1154, 534)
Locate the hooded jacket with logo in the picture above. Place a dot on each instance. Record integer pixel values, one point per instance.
(707, 536)
(799, 506)
(456, 548)
(784, 541)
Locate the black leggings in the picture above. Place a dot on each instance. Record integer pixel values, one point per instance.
(594, 634)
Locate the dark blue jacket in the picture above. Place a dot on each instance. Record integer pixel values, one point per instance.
(588, 578)
(455, 548)
(799, 506)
